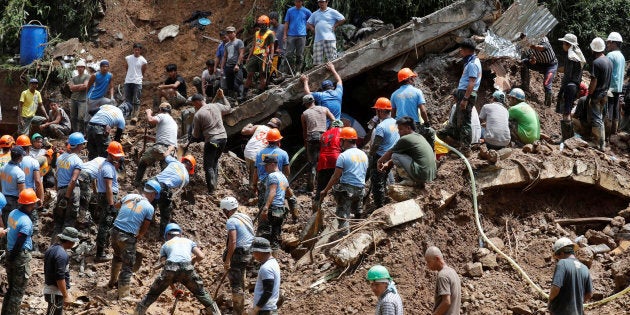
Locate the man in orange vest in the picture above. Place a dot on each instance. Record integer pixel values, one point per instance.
(261, 54)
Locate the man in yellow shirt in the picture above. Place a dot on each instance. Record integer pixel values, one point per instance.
(30, 100)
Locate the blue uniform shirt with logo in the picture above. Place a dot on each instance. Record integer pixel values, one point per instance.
(175, 174)
(19, 222)
(66, 164)
(3, 201)
(29, 165)
(244, 235)
(107, 171)
(133, 211)
(178, 250)
(472, 69)
(354, 164)
(405, 101)
(91, 167)
(109, 115)
(387, 130)
(10, 176)
(281, 155)
(282, 183)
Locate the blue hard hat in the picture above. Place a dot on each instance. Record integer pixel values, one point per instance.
(75, 139)
(152, 185)
(517, 94)
(171, 228)
(327, 84)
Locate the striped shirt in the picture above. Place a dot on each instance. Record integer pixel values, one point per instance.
(389, 303)
(547, 56)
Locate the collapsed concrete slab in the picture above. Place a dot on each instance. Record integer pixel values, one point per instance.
(399, 213)
(350, 250)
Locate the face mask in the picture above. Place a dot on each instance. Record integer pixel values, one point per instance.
(263, 28)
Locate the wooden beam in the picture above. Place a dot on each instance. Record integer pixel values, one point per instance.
(577, 221)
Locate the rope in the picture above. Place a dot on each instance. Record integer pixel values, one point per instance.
(498, 251)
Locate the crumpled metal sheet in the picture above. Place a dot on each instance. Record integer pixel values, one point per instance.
(523, 16)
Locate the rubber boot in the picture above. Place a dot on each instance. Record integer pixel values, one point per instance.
(238, 302)
(100, 255)
(566, 127)
(548, 98)
(293, 208)
(123, 291)
(142, 168)
(114, 271)
(614, 127)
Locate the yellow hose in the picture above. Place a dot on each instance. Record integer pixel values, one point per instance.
(498, 251)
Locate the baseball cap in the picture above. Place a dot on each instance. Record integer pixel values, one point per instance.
(33, 80)
(307, 99)
(104, 62)
(270, 159)
(19, 151)
(326, 84)
(274, 122)
(230, 29)
(261, 245)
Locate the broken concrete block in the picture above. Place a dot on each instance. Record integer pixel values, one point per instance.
(521, 310)
(600, 249)
(399, 213)
(351, 249)
(598, 237)
(401, 192)
(474, 269)
(446, 198)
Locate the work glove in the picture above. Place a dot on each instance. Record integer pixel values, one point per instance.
(63, 202)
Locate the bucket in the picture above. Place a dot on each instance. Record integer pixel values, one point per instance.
(33, 40)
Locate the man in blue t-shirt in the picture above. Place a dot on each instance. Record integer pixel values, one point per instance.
(177, 257)
(237, 254)
(69, 193)
(324, 22)
(571, 285)
(98, 128)
(385, 136)
(57, 271)
(295, 36)
(407, 99)
(348, 179)
(330, 96)
(132, 222)
(107, 191)
(98, 85)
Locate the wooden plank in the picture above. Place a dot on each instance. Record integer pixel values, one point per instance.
(577, 221)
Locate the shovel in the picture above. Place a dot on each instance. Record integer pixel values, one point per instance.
(314, 225)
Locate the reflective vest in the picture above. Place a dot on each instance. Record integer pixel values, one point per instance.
(259, 47)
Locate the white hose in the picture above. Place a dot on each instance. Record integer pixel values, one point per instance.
(498, 251)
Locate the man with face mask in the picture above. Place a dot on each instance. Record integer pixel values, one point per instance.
(261, 53)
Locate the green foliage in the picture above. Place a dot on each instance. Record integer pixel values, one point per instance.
(12, 20)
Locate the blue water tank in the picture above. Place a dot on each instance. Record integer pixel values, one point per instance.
(33, 40)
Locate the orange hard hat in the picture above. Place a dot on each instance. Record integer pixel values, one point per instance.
(383, 103)
(274, 135)
(191, 159)
(348, 133)
(263, 19)
(27, 197)
(6, 141)
(115, 149)
(23, 141)
(405, 73)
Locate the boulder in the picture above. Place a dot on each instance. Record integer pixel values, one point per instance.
(489, 261)
(474, 269)
(351, 249)
(401, 192)
(585, 255)
(521, 310)
(399, 213)
(618, 221)
(497, 242)
(480, 253)
(620, 271)
(598, 237)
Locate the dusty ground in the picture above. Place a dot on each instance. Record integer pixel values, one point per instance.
(521, 219)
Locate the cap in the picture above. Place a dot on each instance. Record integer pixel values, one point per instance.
(307, 99)
(18, 150)
(270, 159)
(261, 245)
(33, 80)
(69, 234)
(274, 122)
(104, 62)
(81, 63)
(327, 84)
(166, 107)
(197, 97)
(230, 29)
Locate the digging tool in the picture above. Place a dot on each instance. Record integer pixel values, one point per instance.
(144, 143)
(216, 292)
(314, 225)
(178, 293)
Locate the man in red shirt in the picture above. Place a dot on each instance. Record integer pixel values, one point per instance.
(330, 148)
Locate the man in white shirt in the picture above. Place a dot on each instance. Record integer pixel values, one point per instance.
(136, 66)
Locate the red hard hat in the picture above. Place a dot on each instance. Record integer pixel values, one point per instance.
(383, 103)
(348, 133)
(405, 73)
(274, 135)
(115, 148)
(23, 141)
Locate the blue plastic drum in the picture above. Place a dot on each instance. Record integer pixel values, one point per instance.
(33, 40)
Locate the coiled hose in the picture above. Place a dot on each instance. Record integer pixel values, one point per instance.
(498, 251)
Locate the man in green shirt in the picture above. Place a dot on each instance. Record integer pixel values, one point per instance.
(524, 121)
(412, 153)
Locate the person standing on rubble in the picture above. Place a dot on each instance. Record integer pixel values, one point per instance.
(257, 142)
(237, 254)
(208, 127)
(601, 75)
(232, 62)
(57, 271)
(324, 22)
(165, 140)
(178, 256)
(78, 86)
(98, 135)
(571, 285)
(267, 289)
(524, 121)
(30, 101)
(448, 287)
(407, 99)
(467, 93)
(313, 126)
(278, 30)
(107, 190)
(330, 96)
(571, 80)
(295, 36)
(272, 212)
(132, 222)
(98, 85)
(384, 288)
(329, 150)
(348, 180)
(613, 45)
(540, 58)
(261, 55)
(135, 66)
(385, 137)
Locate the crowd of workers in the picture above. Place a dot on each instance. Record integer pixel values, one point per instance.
(400, 149)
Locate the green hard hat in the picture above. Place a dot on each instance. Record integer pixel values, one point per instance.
(378, 272)
(35, 136)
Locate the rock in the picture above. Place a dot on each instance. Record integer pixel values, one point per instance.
(609, 231)
(625, 213)
(521, 310)
(351, 249)
(600, 249)
(401, 193)
(497, 242)
(480, 253)
(528, 148)
(168, 31)
(618, 221)
(504, 153)
(489, 261)
(620, 271)
(575, 143)
(474, 269)
(585, 255)
(598, 237)
(399, 213)
(624, 245)
(119, 36)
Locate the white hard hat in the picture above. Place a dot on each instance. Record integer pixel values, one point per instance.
(562, 243)
(614, 37)
(598, 45)
(81, 63)
(228, 203)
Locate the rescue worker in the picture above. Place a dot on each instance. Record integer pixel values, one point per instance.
(330, 148)
(98, 128)
(172, 179)
(87, 186)
(33, 180)
(6, 143)
(313, 126)
(348, 180)
(37, 148)
(267, 289)
(571, 285)
(132, 222)
(272, 212)
(385, 136)
(524, 121)
(384, 288)
(19, 246)
(13, 181)
(448, 287)
(257, 142)
(570, 81)
(237, 254)
(107, 190)
(407, 99)
(613, 45)
(601, 75)
(177, 255)
(57, 271)
(467, 93)
(261, 54)
(68, 192)
(165, 138)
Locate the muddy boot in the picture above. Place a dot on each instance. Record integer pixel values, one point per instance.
(114, 271)
(293, 208)
(101, 256)
(524, 77)
(142, 168)
(548, 98)
(238, 302)
(123, 291)
(566, 127)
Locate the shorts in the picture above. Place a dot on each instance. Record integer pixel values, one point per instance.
(324, 51)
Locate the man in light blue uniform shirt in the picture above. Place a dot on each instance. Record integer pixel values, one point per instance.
(98, 137)
(407, 99)
(272, 213)
(172, 179)
(107, 190)
(87, 180)
(348, 179)
(385, 136)
(133, 220)
(12, 179)
(69, 193)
